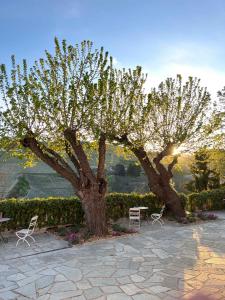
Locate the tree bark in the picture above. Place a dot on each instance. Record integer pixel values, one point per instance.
(90, 188)
(94, 206)
(159, 181)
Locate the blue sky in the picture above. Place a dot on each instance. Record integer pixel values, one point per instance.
(164, 36)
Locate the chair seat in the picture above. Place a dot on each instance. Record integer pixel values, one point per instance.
(23, 231)
(155, 215)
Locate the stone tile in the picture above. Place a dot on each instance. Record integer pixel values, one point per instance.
(65, 295)
(130, 289)
(158, 263)
(44, 281)
(70, 273)
(63, 287)
(93, 293)
(156, 289)
(137, 278)
(8, 295)
(16, 277)
(83, 285)
(102, 281)
(28, 290)
(111, 289)
(146, 297)
(118, 296)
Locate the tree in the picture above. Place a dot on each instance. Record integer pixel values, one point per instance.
(133, 170)
(119, 169)
(48, 113)
(168, 118)
(204, 177)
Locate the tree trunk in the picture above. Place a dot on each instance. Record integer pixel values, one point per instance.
(94, 206)
(169, 196)
(159, 183)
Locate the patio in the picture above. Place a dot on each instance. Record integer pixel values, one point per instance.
(173, 262)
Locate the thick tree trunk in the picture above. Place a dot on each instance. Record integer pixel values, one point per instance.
(94, 206)
(91, 189)
(169, 196)
(159, 183)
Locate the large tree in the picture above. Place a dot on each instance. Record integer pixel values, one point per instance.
(48, 110)
(155, 125)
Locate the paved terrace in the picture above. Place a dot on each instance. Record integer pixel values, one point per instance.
(173, 262)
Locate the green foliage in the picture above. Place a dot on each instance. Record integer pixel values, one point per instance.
(207, 200)
(127, 184)
(50, 211)
(119, 170)
(20, 189)
(63, 211)
(204, 177)
(134, 170)
(118, 204)
(55, 94)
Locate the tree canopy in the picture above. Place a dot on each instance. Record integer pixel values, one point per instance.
(49, 110)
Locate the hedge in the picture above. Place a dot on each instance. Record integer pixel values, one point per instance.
(50, 211)
(60, 211)
(207, 200)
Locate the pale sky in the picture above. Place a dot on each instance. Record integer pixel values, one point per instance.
(165, 37)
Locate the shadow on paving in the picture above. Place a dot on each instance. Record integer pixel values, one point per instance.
(45, 242)
(168, 263)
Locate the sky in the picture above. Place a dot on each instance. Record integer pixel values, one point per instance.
(165, 37)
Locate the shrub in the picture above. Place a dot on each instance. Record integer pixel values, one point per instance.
(63, 211)
(205, 216)
(73, 238)
(118, 204)
(207, 200)
(119, 170)
(133, 170)
(50, 211)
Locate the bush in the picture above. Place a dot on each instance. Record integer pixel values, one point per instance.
(133, 170)
(118, 204)
(62, 211)
(119, 170)
(207, 200)
(50, 211)
(204, 216)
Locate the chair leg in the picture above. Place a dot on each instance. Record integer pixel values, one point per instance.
(19, 239)
(26, 242)
(31, 237)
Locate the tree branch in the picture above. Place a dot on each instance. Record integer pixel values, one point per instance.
(101, 156)
(53, 159)
(72, 157)
(157, 161)
(171, 165)
(70, 136)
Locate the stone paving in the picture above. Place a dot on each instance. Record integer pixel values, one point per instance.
(173, 262)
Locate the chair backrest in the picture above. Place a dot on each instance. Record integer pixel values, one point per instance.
(33, 223)
(162, 210)
(134, 213)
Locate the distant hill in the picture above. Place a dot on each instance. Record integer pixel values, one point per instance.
(42, 181)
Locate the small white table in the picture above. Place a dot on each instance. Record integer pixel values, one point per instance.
(142, 208)
(2, 220)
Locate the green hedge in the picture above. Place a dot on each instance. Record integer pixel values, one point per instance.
(207, 200)
(50, 211)
(61, 211)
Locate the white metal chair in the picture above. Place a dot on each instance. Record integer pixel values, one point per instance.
(135, 217)
(23, 234)
(157, 217)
